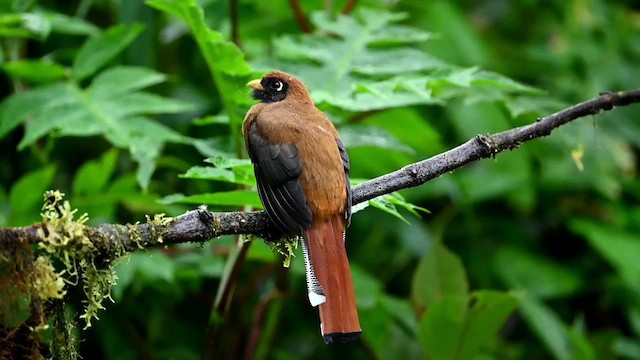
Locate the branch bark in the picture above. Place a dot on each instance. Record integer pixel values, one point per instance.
(202, 225)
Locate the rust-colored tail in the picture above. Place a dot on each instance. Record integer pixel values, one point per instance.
(329, 280)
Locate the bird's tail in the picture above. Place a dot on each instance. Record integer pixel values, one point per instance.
(329, 280)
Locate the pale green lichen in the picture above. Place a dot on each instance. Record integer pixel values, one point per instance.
(64, 238)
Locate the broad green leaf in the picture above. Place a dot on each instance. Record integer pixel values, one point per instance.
(368, 288)
(618, 247)
(223, 198)
(537, 105)
(364, 62)
(94, 176)
(537, 275)
(102, 48)
(221, 55)
(456, 329)
(439, 274)
(25, 196)
(550, 329)
(627, 348)
(236, 175)
(37, 71)
(36, 24)
(360, 135)
(123, 79)
(442, 325)
(227, 162)
(102, 109)
(142, 269)
(15, 109)
(63, 24)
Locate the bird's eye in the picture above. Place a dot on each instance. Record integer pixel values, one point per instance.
(277, 85)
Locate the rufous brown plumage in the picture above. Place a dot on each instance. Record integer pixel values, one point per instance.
(302, 172)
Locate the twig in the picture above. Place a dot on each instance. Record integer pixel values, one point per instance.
(201, 224)
(233, 16)
(300, 18)
(349, 6)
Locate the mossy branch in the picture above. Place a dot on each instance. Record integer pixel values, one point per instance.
(86, 252)
(201, 225)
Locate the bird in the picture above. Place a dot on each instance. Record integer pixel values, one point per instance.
(302, 175)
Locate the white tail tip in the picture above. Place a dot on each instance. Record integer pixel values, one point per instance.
(316, 299)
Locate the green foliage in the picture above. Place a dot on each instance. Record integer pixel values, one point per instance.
(100, 99)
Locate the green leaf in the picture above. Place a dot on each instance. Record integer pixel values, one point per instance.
(227, 162)
(63, 24)
(236, 175)
(439, 274)
(36, 24)
(122, 80)
(221, 55)
(537, 275)
(224, 198)
(441, 327)
(368, 289)
(456, 329)
(618, 247)
(361, 135)
(383, 203)
(102, 48)
(365, 62)
(102, 109)
(553, 333)
(25, 196)
(36, 71)
(93, 176)
(15, 109)
(138, 270)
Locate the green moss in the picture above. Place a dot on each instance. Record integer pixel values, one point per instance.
(65, 239)
(285, 247)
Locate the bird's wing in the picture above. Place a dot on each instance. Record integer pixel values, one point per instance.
(277, 168)
(347, 167)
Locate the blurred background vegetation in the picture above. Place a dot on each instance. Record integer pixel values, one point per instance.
(533, 255)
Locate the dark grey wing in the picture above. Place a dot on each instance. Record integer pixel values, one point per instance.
(277, 168)
(347, 167)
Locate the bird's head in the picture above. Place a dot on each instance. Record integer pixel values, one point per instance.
(277, 86)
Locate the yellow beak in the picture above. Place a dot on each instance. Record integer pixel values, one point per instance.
(255, 84)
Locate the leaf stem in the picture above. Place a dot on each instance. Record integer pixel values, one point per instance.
(300, 17)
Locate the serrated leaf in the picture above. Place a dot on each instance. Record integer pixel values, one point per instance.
(123, 79)
(365, 64)
(224, 198)
(102, 109)
(15, 109)
(100, 49)
(37, 71)
(138, 103)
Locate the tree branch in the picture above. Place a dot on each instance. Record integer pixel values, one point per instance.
(201, 224)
